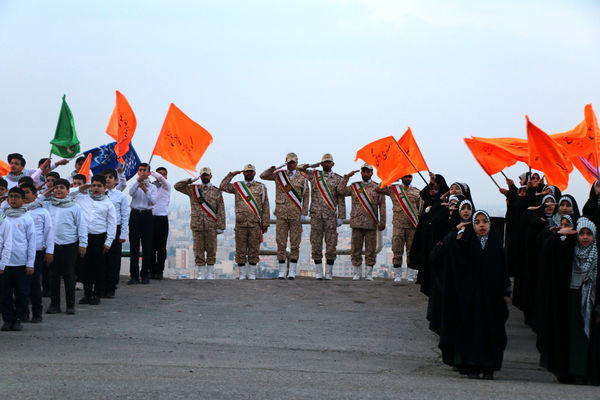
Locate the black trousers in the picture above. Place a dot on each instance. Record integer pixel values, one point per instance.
(15, 294)
(63, 266)
(35, 284)
(113, 263)
(140, 231)
(45, 277)
(159, 243)
(94, 268)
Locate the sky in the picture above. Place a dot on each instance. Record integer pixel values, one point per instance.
(326, 76)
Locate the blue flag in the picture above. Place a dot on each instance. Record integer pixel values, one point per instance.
(104, 157)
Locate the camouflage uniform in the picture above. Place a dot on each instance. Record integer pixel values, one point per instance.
(248, 229)
(364, 229)
(204, 228)
(404, 230)
(288, 214)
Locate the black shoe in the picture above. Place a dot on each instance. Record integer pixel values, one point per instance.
(71, 310)
(291, 278)
(94, 300)
(53, 310)
(488, 376)
(158, 277)
(7, 326)
(85, 300)
(16, 326)
(46, 293)
(26, 319)
(109, 294)
(319, 279)
(283, 279)
(36, 319)
(474, 375)
(145, 281)
(133, 281)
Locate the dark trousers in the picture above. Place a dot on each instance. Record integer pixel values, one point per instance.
(159, 243)
(113, 263)
(63, 266)
(45, 278)
(94, 267)
(140, 230)
(15, 294)
(35, 284)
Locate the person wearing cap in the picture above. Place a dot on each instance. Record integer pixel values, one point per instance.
(291, 209)
(406, 206)
(366, 217)
(207, 220)
(252, 218)
(327, 211)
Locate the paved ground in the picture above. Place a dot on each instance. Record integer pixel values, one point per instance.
(300, 339)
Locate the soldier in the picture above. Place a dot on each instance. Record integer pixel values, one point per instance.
(407, 204)
(207, 220)
(327, 210)
(252, 218)
(291, 209)
(366, 217)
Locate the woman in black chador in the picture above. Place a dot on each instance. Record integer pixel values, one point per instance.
(476, 292)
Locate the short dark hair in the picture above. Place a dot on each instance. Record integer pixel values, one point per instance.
(80, 177)
(24, 179)
(53, 174)
(110, 171)
(163, 168)
(99, 178)
(42, 160)
(3, 183)
(18, 156)
(29, 186)
(80, 159)
(17, 190)
(143, 165)
(62, 182)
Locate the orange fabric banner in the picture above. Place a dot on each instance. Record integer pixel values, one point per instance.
(577, 163)
(408, 143)
(181, 141)
(548, 156)
(385, 155)
(121, 125)
(85, 168)
(4, 168)
(491, 158)
(591, 123)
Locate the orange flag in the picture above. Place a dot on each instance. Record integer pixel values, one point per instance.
(121, 126)
(591, 123)
(181, 141)
(4, 168)
(408, 143)
(85, 168)
(577, 163)
(492, 159)
(548, 156)
(385, 155)
(576, 141)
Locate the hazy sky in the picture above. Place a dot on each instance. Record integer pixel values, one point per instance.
(269, 77)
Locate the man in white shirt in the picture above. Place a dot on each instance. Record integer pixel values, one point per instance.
(44, 249)
(143, 198)
(70, 242)
(160, 223)
(101, 220)
(121, 203)
(20, 264)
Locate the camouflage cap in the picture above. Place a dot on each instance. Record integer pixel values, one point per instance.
(326, 157)
(249, 167)
(205, 170)
(367, 166)
(291, 157)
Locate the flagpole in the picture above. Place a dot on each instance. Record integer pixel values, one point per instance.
(495, 183)
(503, 174)
(411, 163)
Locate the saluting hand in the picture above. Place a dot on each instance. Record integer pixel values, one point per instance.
(352, 172)
(236, 172)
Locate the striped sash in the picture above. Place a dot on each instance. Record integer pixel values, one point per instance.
(249, 199)
(203, 203)
(363, 197)
(284, 181)
(405, 204)
(324, 190)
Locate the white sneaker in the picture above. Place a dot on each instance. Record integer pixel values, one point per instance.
(369, 274)
(252, 272)
(397, 274)
(319, 272)
(356, 276)
(328, 272)
(282, 271)
(211, 272)
(201, 273)
(242, 270)
(292, 271)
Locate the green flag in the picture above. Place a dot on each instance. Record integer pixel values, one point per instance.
(65, 143)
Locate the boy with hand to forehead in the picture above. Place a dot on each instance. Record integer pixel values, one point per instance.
(15, 280)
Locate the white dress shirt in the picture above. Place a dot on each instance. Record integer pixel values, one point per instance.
(163, 195)
(121, 204)
(23, 241)
(121, 182)
(100, 216)
(44, 231)
(5, 242)
(141, 200)
(69, 224)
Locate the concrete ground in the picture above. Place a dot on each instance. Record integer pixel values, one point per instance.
(301, 339)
